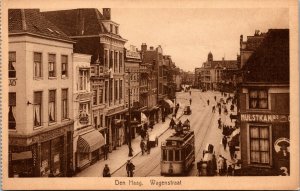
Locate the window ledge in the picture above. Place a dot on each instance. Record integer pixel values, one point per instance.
(267, 166)
(37, 127)
(259, 110)
(66, 119)
(12, 130)
(12, 78)
(52, 123)
(64, 77)
(38, 78)
(52, 78)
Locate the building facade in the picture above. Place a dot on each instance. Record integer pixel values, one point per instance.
(264, 107)
(40, 96)
(97, 34)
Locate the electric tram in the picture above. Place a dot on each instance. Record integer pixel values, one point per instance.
(178, 153)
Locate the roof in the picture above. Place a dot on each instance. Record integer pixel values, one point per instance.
(228, 64)
(79, 22)
(270, 62)
(33, 22)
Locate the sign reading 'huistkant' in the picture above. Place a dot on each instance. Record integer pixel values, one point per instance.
(265, 118)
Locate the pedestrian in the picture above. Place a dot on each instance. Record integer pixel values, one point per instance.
(142, 145)
(190, 92)
(220, 110)
(199, 166)
(172, 123)
(105, 151)
(231, 149)
(190, 101)
(106, 171)
(213, 109)
(51, 174)
(224, 142)
(220, 164)
(148, 146)
(214, 164)
(219, 123)
(208, 102)
(229, 170)
(215, 98)
(130, 168)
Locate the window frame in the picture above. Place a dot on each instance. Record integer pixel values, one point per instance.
(13, 105)
(67, 104)
(258, 99)
(55, 106)
(54, 65)
(10, 64)
(63, 76)
(40, 108)
(40, 66)
(269, 127)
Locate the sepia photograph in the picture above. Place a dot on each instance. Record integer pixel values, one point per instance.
(131, 95)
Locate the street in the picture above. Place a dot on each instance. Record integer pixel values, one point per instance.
(204, 124)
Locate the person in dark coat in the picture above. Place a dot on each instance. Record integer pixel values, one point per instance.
(219, 123)
(215, 98)
(224, 142)
(148, 146)
(208, 102)
(106, 171)
(220, 110)
(105, 151)
(229, 170)
(190, 101)
(142, 145)
(199, 166)
(130, 168)
(172, 123)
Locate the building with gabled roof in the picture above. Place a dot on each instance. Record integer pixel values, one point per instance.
(40, 117)
(264, 112)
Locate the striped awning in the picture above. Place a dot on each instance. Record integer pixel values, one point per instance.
(90, 142)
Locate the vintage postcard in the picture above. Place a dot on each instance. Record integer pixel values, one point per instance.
(150, 94)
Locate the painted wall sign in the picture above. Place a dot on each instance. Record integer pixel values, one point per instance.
(265, 118)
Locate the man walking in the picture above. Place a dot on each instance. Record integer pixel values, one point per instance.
(105, 151)
(208, 102)
(142, 145)
(130, 168)
(224, 142)
(190, 101)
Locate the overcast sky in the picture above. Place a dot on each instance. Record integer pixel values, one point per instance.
(189, 34)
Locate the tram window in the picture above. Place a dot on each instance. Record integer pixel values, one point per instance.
(171, 155)
(165, 152)
(177, 156)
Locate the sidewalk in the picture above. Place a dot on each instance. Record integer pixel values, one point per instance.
(117, 158)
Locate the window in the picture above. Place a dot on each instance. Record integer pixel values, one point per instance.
(12, 65)
(258, 99)
(105, 58)
(120, 89)
(106, 92)
(116, 90)
(120, 62)
(101, 121)
(116, 62)
(111, 28)
(111, 59)
(95, 97)
(117, 29)
(83, 79)
(171, 155)
(37, 109)
(177, 155)
(37, 58)
(100, 96)
(52, 105)
(64, 66)
(95, 121)
(64, 101)
(84, 113)
(164, 154)
(52, 65)
(12, 110)
(110, 90)
(259, 144)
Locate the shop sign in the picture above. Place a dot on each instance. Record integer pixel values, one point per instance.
(52, 134)
(131, 54)
(265, 118)
(111, 111)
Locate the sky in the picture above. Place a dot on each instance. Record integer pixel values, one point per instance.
(188, 35)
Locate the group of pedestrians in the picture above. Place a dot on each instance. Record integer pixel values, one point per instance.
(130, 167)
(145, 144)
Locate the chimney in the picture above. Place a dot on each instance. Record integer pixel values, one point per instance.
(151, 47)
(106, 13)
(144, 47)
(241, 41)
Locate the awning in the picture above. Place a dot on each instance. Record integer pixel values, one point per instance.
(21, 155)
(169, 102)
(90, 142)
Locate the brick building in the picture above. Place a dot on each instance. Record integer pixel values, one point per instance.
(264, 106)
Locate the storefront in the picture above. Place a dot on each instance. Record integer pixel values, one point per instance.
(89, 148)
(43, 154)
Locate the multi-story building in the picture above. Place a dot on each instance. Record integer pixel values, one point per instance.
(197, 79)
(132, 85)
(84, 153)
(96, 34)
(40, 96)
(211, 72)
(264, 106)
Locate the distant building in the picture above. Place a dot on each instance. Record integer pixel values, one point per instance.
(40, 96)
(264, 102)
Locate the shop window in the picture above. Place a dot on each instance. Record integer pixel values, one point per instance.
(52, 106)
(84, 113)
(258, 99)
(37, 58)
(12, 65)
(83, 79)
(64, 66)
(45, 159)
(12, 110)
(64, 100)
(259, 144)
(52, 65)
(37, 109)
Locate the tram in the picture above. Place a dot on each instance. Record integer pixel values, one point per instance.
(178, 153)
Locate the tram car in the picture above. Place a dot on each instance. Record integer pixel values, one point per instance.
(178, 153)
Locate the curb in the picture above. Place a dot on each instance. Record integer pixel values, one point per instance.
(141, 151)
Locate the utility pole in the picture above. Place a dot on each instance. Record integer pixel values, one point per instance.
(129, 118)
